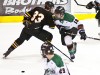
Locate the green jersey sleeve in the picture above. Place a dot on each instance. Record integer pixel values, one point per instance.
(57, 60)
(69, 17)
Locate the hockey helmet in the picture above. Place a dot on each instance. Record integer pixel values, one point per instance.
(48, 5)
(98, 1)
(60, 10)
(47, 48)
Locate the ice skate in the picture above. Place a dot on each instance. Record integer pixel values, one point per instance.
(5, 55)
(72, 56)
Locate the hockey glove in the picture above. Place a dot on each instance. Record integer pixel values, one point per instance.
(90, 5)
(82, 33)
(26, 23)
(64, 32)
(61, 30)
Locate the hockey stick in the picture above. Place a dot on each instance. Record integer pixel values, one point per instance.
(87, 37)
(93, 38)
(63, 53)
(79, 4)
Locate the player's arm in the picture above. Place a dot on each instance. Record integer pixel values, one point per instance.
(52, 26)
(80, 26)
(51, 22)
(82, 31)
(27, 18)
(28, 15)
(97, 6)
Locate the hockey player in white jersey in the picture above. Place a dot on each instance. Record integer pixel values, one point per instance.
(54, 63)
(68, 27)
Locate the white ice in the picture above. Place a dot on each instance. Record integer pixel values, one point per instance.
(27, 56)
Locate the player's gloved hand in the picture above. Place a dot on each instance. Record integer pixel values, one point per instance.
(82, 33)
(62, 31)
(26, 23)
(90, 5)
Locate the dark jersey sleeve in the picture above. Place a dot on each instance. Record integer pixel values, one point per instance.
(51, 21)
(28, 15)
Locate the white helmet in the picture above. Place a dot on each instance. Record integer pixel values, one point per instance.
(98, 1)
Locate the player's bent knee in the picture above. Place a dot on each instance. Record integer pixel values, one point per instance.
(49, 38)
(68, 40)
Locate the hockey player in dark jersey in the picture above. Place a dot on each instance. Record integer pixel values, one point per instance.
(95, 4)
(34, 22)
(68, 27)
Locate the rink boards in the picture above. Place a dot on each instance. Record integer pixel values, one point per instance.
(6, 19)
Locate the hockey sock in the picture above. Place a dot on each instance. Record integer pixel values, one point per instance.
(12, 47)
(72, 49)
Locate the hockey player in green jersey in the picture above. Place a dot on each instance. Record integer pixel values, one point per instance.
(68, 27)
(54, 64)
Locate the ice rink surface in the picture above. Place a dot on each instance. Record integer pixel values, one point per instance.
(27, 56)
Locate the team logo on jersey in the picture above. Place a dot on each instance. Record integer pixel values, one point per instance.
(49, 72)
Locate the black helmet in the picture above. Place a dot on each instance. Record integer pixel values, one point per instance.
(48, 5)
(60, 10)
(47, 48)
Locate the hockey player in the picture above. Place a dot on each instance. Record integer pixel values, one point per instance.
(68, 27)
(54, 63)
(95, 4)
(34, 22)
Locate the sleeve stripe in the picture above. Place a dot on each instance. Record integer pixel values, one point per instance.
(52, 27)
(28, 14)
